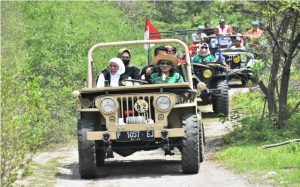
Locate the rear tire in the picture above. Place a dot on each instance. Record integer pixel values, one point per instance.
(86, 150)
(190, 144)
(221, 105)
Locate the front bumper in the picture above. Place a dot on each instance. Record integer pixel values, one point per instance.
(158, 129)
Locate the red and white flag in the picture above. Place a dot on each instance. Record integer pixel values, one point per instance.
(151, 33)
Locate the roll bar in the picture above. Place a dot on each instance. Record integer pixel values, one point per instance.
(137, 42)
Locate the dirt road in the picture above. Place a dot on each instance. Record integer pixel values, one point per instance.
(152, 168)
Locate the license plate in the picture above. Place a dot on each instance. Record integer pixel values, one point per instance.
(129, 136)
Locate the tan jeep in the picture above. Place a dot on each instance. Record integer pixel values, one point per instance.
(127, 119)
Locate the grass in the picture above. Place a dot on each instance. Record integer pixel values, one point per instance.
(45, 174)
(41, 174)
(281, 165)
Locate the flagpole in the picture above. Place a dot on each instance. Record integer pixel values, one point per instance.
(149, 54)
(149, 47)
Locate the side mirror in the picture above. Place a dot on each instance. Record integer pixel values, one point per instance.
(76, 94)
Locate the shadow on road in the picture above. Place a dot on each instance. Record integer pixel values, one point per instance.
(125, 169)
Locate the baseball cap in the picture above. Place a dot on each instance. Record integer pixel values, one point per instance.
(255, 22)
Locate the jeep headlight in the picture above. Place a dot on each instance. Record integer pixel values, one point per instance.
(108, 105)
(163, 103)
(207, 73)
(243, 58)
(236, 59)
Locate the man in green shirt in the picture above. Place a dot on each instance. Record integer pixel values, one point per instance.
(167, 69)
(204, 55)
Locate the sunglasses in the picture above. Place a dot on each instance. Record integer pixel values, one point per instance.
(166, 63)
(204, 47)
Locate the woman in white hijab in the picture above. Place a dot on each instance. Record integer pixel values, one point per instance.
(115, 75)
(203, 55)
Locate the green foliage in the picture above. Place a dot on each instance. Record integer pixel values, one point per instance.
(252, 128)
(295, 72)
(281, 164)
(186, 14)
(252, 125)
(44, 57)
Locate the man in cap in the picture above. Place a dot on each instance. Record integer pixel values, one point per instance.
(255, 32)
(223, 29)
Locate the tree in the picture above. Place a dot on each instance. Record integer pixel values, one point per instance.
(282, 27)
(283, 30)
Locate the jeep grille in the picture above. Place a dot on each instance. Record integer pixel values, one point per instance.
(136, 109)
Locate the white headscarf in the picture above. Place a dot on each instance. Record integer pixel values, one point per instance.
(204, 52)
(114, 79)
(120, 63)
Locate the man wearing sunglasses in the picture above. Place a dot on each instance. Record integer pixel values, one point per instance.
(203, 55)
(166, 73)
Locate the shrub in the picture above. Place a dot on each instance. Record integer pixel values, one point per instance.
(252, 124)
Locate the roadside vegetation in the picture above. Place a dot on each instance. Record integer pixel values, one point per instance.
(271, 113)
(43, 59)
(252, 129)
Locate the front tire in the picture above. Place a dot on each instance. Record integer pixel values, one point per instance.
(86, 150)
(190, 144)
(221, 105)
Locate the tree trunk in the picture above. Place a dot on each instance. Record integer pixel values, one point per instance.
(283, 109)
(271, 97)
(283, 97)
